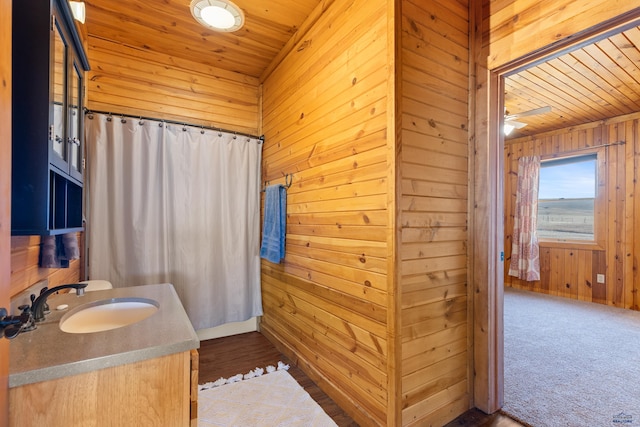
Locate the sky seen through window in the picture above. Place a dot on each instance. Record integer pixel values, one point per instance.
(569, 181)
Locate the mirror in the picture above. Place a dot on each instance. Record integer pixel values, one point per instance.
(75, 117)
(59, 102)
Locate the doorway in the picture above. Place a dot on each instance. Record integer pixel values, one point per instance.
(563, 113)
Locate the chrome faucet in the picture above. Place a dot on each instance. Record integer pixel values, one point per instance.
(37, 308)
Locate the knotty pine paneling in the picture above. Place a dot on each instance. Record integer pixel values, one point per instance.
(571, 270)
(134, 81)
(25, 252)
(170, 28)
(433, 217)
(325, 122)
(514, 28)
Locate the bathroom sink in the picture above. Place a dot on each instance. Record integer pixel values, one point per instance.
(107, 314)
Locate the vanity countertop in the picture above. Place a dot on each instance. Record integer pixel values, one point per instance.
(48, 353)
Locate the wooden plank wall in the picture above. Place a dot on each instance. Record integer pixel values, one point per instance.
(569, 270)
(514, 28)
(25, 251)
(325, 122)
(142, 82)
(148, 83)
(434, 170)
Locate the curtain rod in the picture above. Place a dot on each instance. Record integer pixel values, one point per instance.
(174, 122)
(585, 148)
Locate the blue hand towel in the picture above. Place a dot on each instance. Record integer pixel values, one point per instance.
(275, 223)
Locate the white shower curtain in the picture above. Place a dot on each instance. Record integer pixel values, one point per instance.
(177, 204)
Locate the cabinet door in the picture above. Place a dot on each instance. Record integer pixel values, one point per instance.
(75, 122)
(58, 108)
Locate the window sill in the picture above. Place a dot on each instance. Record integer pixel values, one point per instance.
(571, 244)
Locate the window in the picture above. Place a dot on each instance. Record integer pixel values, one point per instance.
(567, 198)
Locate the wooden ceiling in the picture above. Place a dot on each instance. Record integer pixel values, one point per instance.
(168, 27)
(596, 82)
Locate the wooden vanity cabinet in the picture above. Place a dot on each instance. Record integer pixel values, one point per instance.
(49, 65)
(150, 393)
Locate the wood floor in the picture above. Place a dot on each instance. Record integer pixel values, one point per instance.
(226, 357)
(238, 354)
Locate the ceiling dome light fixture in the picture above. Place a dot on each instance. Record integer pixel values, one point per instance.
(219, 15)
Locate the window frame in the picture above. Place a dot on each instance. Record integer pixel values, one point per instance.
(599, 206)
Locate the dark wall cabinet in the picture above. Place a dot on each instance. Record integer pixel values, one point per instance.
(49, 65)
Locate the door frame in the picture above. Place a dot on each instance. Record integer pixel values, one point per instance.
(5, 194)
(487, 204)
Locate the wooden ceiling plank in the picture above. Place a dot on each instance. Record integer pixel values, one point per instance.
(578, 72)
(618, 77)
(576, 88)
(274, 27)
(608, 85)
(630, 52)
(633, 35)
(563, 105)
(171, 29)
(580, 106)
(177, 14)
(631, 55)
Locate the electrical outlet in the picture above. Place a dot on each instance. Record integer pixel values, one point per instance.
(600, 278)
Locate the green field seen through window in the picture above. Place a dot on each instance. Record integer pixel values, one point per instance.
(566, 198)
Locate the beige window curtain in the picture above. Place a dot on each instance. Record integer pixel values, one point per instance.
(177, 204)
(525, 251)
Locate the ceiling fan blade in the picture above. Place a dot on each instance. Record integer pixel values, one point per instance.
(516, 125)
(533, 112)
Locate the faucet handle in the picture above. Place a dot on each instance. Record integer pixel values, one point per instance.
(45, 306)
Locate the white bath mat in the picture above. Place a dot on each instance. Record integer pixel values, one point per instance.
(272, 399)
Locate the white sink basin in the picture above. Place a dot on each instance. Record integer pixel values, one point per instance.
(107, 314)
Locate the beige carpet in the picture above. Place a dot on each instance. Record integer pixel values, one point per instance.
(268, 400)
(570, 363)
